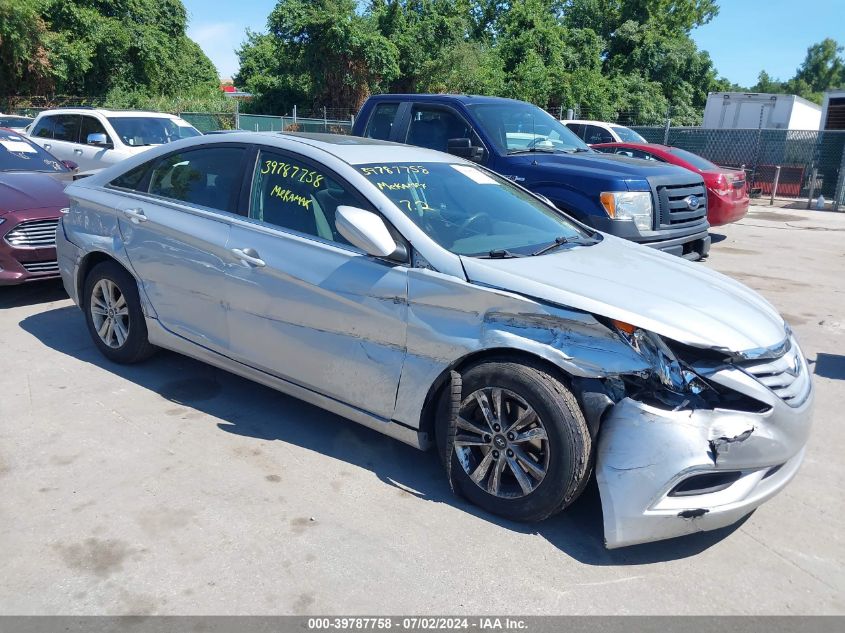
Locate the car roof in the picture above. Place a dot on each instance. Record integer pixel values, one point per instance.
(653, 146)
(123, 113)
(461, 98)
(591, 122)
(354, 150)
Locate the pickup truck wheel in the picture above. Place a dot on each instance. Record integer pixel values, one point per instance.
(521, 445)
(113, 314)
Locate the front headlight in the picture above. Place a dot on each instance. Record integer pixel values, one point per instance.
(666, 367)
(629, 205)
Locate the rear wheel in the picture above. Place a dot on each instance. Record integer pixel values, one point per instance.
(113, 313)
(521, 445)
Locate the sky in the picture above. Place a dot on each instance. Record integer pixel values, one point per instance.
(746, 37)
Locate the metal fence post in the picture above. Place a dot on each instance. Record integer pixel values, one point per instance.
(812, 186)
(294, 115)
(570, 114)
(840, 184)
(775, 185)
(668, 124)
(325, 121)
(237, 114)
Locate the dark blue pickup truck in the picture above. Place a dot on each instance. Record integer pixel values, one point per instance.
(652, 203)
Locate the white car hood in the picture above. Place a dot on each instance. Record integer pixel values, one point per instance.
(678, 299)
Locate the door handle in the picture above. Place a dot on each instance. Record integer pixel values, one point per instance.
(47, 146)
(136, 215)
(77, 151)
(249, 256)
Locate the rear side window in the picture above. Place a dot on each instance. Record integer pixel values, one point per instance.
(208, 177)
(44, 128)
(67, 127)
(381, 122)
(132, 179)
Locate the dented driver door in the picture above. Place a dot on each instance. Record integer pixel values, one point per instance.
(306, 306)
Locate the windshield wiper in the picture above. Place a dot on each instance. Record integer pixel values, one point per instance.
(502, 253)
(577, 150)
(531, 150)
(559, 241)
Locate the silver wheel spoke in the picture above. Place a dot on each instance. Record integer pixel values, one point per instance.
(120, 332)
(466, 425)
(521, 478)
(110, 332)
(97, 302)
(104, 328)
(497, 405)
(496, 477)
(480, 472)
(537, 433)
(524, 418)
(124, 311)
(484, 407)
(468, 440)
(98, 310)
(530, 465)
(120, 303)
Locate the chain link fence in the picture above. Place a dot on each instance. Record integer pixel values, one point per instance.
(810, 161)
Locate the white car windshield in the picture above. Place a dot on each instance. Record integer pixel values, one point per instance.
(139, 131)
(470, 211)
(521, 127)
(627, 134)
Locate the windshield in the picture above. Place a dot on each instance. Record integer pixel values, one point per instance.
(137, 131)
(519, 127)
(469, 211)
(627, 134)
(19, 154)
(694, 159)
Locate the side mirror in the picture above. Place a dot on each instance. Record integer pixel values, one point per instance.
(70, 165)
(365, 230)
(464, 148)
(98, 138)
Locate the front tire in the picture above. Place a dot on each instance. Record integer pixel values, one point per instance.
(113, 314)
(521, 447)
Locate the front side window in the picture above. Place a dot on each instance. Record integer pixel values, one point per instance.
(595, 134)
(381, 122)
(67, 128)
(90, 125)
(293, 195)
(44, 128)
(433, 127)
(516, 127)
(469, 211)
(694, 159)
(207, 177)
(141, 131)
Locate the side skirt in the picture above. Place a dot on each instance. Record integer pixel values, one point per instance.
(161, 337)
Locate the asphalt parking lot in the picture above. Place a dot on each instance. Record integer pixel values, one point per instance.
(172, 487)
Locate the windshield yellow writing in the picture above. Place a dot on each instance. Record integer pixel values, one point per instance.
(381, 170)
(398, 186)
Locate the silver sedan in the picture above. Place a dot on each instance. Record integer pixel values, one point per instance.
(421, 295)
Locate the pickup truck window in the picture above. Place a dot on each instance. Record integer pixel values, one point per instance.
(381, 122)
(470, 211)
(521, 127)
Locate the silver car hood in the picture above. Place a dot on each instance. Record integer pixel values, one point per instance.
(665, 294)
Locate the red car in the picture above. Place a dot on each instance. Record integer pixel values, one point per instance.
(727, 193)
(32, 184)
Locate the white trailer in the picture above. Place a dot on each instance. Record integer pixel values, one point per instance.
(744, 110)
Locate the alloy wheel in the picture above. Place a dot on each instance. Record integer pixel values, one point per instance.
(501, 443)
(110, 313)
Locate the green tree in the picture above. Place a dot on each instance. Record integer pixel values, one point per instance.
(23, 56)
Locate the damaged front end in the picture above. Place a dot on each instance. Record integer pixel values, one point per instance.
(701, 440)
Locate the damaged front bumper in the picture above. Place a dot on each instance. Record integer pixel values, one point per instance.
(664, 473)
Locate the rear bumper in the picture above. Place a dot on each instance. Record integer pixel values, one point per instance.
(725, 209)
(645, 453)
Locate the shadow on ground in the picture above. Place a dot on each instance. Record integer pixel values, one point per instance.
(252, 410)
(31, 293)
(830, 366)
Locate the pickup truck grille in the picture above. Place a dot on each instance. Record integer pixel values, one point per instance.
(675, 212)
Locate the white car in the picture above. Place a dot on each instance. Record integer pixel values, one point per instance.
(96, 138)
(15, 122)
(593, 132)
